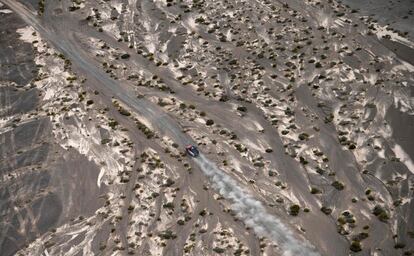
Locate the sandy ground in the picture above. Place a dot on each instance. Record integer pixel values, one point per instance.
(302, 112)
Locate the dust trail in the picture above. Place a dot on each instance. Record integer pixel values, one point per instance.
(253, 213)
(249, 209)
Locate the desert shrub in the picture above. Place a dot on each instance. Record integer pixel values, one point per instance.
(74, 8)
(168, 183)
(113, 124)
(355, 246)
(329, 118)
(258, 164)
(341, 220)
(218, 250)
(360, 236)
(41, 7)
(169, 205)
(303, 161)
(272, 173)
(125, 56)
(167, 234)
(319, 170)
(71, 78)
(381, 213)
(303, 136)
(315, 191)
(199, 20)
(294, 210)
(143, 128)
(326, 210)
(123, 111)
(338, 185)
(209, 122)
(240, 148)
(242, 108)
(399, 245)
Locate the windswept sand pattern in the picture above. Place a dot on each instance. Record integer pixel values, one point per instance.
(302, 110)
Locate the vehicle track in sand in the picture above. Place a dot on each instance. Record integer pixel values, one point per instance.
(248, 208)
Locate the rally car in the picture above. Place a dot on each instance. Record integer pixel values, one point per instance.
(192, 150)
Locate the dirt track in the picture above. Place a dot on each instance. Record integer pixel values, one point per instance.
(306, 100)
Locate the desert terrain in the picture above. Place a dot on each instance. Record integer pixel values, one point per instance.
(302, 110)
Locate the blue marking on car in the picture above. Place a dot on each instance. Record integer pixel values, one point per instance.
(192, 150)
